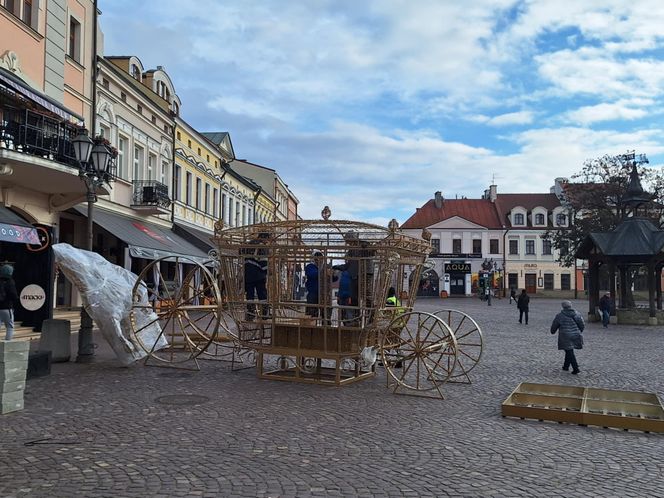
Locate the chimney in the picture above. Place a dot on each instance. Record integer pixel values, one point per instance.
(493, 192)
(438, 199)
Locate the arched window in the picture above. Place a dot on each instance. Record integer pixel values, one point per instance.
(518, 219)
(561, 219)
(539, 219)
(135, 72)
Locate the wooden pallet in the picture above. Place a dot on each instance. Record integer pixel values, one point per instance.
(586, 406)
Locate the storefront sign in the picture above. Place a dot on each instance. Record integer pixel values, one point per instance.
(457, 267)
(456, 256)
(32, 297)
(44, 240)
(530, 265)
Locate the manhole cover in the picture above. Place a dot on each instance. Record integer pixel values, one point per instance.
(182, 399)
(175, 375)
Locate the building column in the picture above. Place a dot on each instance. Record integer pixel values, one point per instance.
(652, 320)
(612, 289)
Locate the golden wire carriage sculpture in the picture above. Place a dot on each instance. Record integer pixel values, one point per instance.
(323, 315)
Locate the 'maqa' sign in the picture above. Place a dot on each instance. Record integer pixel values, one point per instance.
(457, 267)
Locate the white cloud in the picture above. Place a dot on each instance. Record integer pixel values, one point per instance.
(512, 118)
(605, 112)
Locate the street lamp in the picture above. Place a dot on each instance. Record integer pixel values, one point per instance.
(94, 160)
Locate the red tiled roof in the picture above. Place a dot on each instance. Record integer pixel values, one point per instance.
(479, 211)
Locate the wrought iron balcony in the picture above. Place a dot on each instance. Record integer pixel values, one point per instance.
(28, 132)
(150, 196)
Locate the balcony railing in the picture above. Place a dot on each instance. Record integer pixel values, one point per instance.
(28, 132)
(150, 193)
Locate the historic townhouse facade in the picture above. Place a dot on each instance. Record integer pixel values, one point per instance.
(498, 239)
(46, 92)
(285, 202)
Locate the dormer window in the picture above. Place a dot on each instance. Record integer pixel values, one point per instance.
(561, 219)
(135, 72)
(176, 108)
(518, 219)
(539, 219)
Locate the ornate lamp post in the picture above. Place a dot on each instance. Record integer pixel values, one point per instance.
(94, 161)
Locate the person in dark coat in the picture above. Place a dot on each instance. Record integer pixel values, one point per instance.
(512, 295)
(605, 308)
(569, 324)
(523, 305)
(255, 274)
(9, 299)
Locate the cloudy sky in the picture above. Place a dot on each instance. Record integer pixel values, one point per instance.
(370, 106)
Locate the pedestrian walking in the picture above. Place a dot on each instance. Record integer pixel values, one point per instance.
(487, 293)
(523, 305)
(8, 298)
(569, 324)
(512, 295)
(605, 308)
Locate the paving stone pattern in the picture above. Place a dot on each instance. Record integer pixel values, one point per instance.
(109, 436)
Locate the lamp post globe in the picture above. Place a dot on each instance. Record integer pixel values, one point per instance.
(82, 144)
(100, 157)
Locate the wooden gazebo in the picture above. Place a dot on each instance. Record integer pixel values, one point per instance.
(636, 241)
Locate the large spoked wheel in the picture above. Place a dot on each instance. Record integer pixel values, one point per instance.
(419, 351)
(469, 340)
(174, 321)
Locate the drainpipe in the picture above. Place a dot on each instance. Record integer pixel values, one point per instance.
(258, 192)
(93, 121)
(505, 262)
(173, 170)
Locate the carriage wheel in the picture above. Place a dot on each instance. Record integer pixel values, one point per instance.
(469, 340)
(186, 313)
(419, 351)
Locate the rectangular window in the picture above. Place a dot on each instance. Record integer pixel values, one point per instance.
(231, 219)
(514, 246)
(138, 163)
(74, 49)
(215, 200)
(477, 246)
(546, 246)
(199, 193)
(178, 176)
(493, 246)
(207, 197)
(237, 213)
(513, 280)
(223, 207)
(123, 97)
(188, 187)
(530, 246)
(456, 246)
(244, 214)
(26, 15)
(565, 281)
(548, 281)
(123, 146)
(10, 5)
(564, 248)
(163, 177)
(152, 162)
(435, 246)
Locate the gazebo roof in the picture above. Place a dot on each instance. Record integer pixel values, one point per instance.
(634, 237)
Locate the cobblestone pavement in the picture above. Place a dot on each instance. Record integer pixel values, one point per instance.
(110, 437)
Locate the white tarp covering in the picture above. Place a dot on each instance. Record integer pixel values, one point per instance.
(106, 290)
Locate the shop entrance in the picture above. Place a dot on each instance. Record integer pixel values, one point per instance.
(531, 283)
(457, 284)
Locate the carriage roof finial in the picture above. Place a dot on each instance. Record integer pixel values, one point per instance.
(326, 213)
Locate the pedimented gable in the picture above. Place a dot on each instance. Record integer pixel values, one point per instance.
(457, 222)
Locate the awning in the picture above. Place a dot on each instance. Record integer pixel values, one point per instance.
(145, 240)
(201, 239)
(13, 228)
(12, 81)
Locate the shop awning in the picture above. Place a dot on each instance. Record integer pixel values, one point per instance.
(145, 240)
(201, 239)
(13, 228)
(12, 81)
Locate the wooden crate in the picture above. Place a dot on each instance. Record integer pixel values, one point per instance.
(586, 406)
